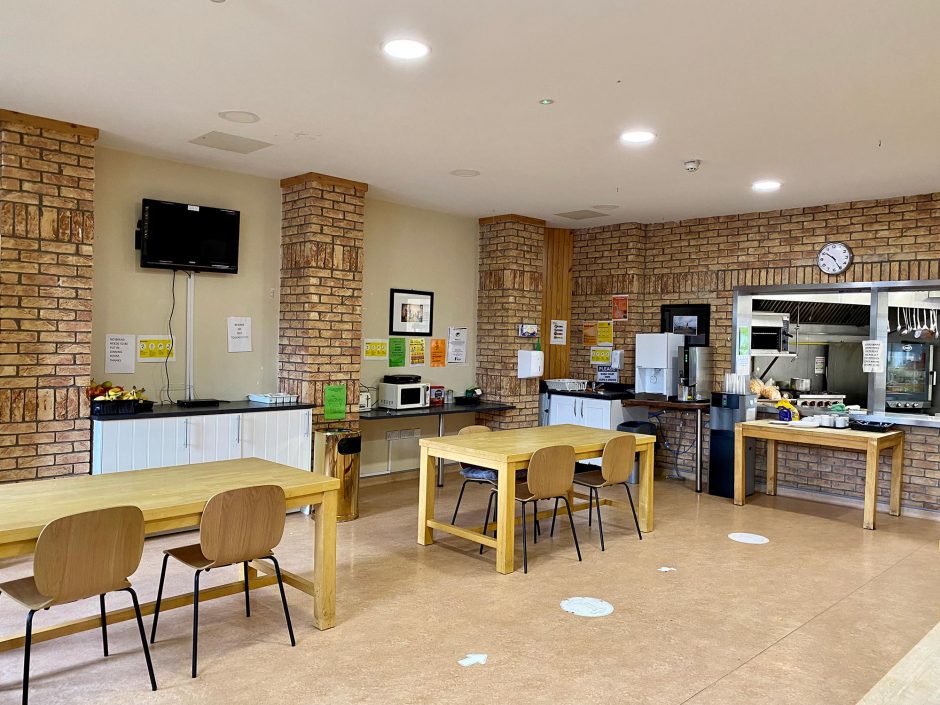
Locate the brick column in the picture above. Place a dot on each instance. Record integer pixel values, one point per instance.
(47, 180)
(320, 330)
(510, 293)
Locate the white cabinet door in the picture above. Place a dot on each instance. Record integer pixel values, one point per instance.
(138, 444)
(563, 409)
(281, 436)
(595, 413)
(213, 437)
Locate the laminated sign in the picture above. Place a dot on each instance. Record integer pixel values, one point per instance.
(600, 356)
(375, 349)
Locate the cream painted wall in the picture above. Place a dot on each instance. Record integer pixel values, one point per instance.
(128, 299)
(412, 248)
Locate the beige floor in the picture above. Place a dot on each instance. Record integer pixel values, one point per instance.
(818, 615)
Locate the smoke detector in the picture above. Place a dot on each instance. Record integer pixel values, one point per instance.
(692, 165)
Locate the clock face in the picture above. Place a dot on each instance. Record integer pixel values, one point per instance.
(834, 258)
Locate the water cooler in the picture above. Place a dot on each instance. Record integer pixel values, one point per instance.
(726, 411)
(657, 363)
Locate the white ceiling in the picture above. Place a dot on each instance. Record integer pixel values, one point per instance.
(804, 91)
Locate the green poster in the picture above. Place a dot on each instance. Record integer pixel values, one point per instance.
(334, 402)
(396, 352)
(744, 341)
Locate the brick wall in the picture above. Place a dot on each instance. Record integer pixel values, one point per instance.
(510, 293)
(320, 328)
(702, 260)
(47, 180)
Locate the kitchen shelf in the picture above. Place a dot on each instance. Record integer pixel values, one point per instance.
(757, 353)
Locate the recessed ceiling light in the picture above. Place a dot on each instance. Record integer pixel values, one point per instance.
(465, 172)
(242, 116)
(637, 137)
(766, 185)
(406, 49)
(546, 101)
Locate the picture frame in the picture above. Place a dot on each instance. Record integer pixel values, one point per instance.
(691, 320)
(410, 312)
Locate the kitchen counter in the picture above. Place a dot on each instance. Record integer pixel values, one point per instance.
(242, 406)
(438, 410)
(669, 405)
(925, 420)
(609, 395)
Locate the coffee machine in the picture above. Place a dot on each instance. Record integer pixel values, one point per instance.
(694, 373)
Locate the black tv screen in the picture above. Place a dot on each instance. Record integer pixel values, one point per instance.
(183, 236)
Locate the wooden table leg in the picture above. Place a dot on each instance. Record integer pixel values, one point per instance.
(647, 469)
(425, 500)
(505, 518)
(771, 467)
(739, 488)
(871, 485)
(324, 562)
(897, 472)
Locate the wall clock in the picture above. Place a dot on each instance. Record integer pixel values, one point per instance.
(834, 258)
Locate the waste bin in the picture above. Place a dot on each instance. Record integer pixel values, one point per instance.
(644, 427)
(726, 411)
(336, 454)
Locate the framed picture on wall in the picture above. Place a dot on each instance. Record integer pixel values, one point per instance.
(691, 320)
(410, 312)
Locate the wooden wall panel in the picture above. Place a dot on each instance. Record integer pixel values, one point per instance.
(556, 301)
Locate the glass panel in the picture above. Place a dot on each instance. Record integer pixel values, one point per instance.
(910, 384)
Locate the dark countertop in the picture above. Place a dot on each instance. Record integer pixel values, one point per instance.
(242, 406)
(665, 404)
(378, 414)
(608, 391)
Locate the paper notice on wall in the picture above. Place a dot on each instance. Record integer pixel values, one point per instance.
(600, 356)
(239, 334)
(457, 346)
(619, 307)
(744, 340)
(606, 373)
(873, 356)
(119, 353)
(397, 352)
(742, 365)
(375, 349)
(819, 365)
(559, 333)
(155, 348)
(438, 352)
(605, 333)
(589, 334)
(334, 402)
(416, 352)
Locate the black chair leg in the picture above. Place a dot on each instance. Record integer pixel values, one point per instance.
(156, 608)
(26, 645)
(600, 524)
(633, 509)
(554, 514)
(573, 532)
(525, 553)
(104, 625)
(143, 638)
(280, 585)
(247, 599)
(195, 620)
(486, 519)
(459, 499)
(590, 505)
(535, 521)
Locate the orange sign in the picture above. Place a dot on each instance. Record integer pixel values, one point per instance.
(589, 333)
(438, 352)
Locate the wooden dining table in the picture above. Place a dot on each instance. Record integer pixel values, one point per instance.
(509, 451)
(174, 498)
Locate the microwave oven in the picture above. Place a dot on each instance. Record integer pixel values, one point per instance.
(403, 396)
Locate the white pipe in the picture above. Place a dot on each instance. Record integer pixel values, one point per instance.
(190, 336)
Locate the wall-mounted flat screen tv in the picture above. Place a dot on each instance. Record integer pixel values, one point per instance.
(184, 236)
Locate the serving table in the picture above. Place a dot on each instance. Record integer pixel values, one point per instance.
(869, 442)
(509, 451)
(174, 498)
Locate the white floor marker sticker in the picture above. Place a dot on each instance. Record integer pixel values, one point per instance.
(472, 660)
(665, 569)
(748, 538)
(587, 606)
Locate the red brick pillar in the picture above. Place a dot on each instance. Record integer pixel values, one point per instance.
(510, 293)
(47, 181)
(320, 330)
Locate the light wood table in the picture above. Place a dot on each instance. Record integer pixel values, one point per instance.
(174, 498)
(865, 441)
(509, 451)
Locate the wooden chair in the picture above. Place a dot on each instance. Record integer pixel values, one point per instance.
(237, 526)
(550, 476)
(616, 466)
(472, 473)
(81, 556)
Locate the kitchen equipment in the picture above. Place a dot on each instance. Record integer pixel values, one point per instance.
(401, 379)
(842, 421)
(825, 420)
(436, 395)
(657, 363)
(695, 373)
(909, 376)
(819, 400)
(278, 398)
(726, 411)
(365, 401)
(770, 332)
(336, 454)
(874, 426)
(403, 396)
(449, 396)
(566, 385)
(799, 384)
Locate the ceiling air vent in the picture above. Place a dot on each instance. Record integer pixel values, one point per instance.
(229, 143)
(582, 214)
